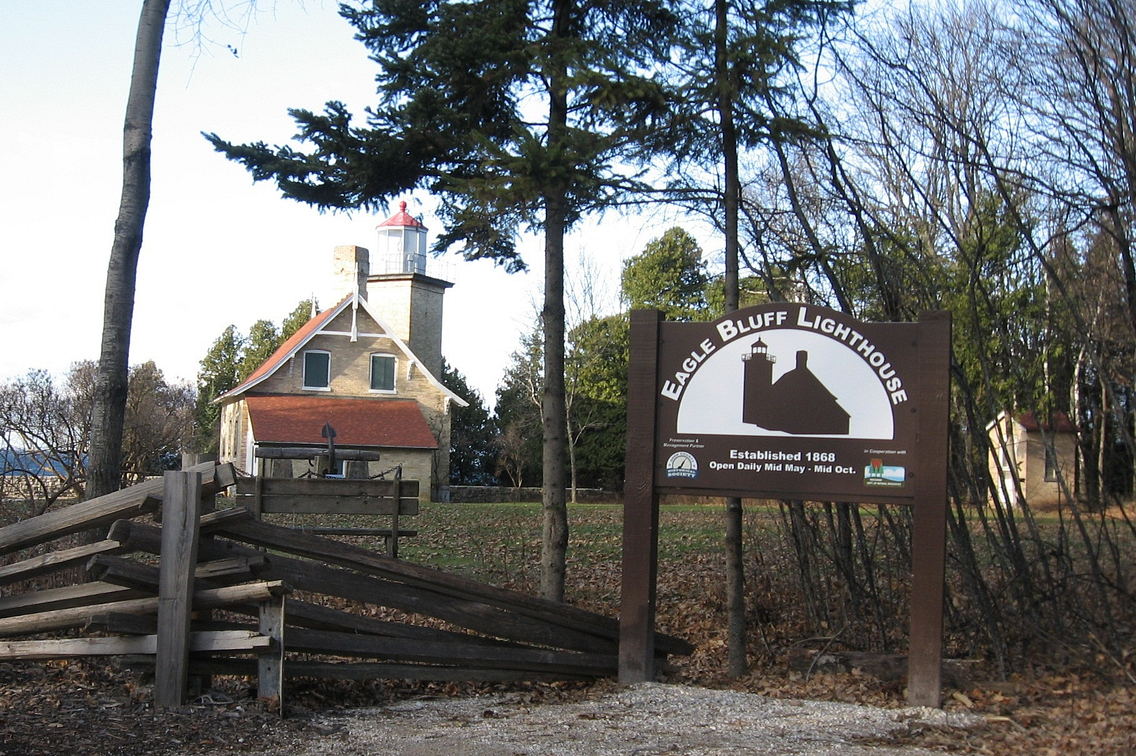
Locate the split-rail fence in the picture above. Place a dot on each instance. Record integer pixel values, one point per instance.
(197, 591)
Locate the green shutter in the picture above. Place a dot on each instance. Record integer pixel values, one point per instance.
(317, 369)
(382, 372)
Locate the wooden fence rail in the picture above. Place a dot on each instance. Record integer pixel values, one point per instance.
(245, 570)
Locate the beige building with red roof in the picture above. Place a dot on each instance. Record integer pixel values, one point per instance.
(1033, 462)
(370, 367)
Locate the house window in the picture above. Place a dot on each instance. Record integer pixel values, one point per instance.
(382, 372)
(1050, 463)
(317, 370)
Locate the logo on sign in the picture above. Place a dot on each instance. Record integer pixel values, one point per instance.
(881, 475)
(682, 465)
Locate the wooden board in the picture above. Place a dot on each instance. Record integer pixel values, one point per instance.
(131, 574)
(143, 498)
(360, 670)
(574, 623)
(359, 532)
(463, 610)
(62, 619)
(55, 561)
(334, 505)
(327, 496)
(181, 513)
(336, 487)
(451, 653)
(316, 617)
(224, 640)
(66, 597)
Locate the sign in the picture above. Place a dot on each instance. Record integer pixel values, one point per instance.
(790, 400)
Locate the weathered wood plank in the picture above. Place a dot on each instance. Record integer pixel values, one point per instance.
(270, 665)
(128, 573)
(316, 617)
(473, 614)
(96, 513)
(181, 512)
(214, 641)
(358, 670)
(210, 521)
(66, 597)
(451, 653)
(54, 561)
(124, 572)
(551, 613)
(392, 542)
(63, 619)
(135, 624)
(117, 623)
(360, 532)
(424, 672)
(241, 567)
(300, 504)
(327, 487)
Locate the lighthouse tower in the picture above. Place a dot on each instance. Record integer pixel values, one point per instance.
(399, 289)
(757, 396)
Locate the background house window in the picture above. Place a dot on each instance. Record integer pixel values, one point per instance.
(317, 370)
(1050, 463)
(382, 372)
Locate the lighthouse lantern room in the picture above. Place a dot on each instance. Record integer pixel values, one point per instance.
(402, 243)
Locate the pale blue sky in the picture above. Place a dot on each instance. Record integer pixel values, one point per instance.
(217, 249)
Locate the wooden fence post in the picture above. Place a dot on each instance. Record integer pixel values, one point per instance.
(270, 663)
(181, 507)
(396, 491)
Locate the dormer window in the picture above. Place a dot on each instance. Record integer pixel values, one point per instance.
(317, 370)
(382, 372)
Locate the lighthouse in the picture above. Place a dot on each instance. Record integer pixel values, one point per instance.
(797, 403)
(758, 383)
(398, 287)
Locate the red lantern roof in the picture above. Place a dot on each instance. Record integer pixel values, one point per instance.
(401, 219)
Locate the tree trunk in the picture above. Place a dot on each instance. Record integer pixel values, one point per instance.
(554, 543)
(735, 561)
(103, 472)
(572, 481)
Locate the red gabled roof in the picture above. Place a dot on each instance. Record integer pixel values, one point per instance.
(396, 423)
(1060, 423)
(286, 349)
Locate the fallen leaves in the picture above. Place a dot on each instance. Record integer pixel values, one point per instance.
(1057, 707)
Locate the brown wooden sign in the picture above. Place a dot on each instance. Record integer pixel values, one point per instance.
(788, 401)
(791, 401)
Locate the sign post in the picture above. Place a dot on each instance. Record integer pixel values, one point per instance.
(788, 401)
(640, 507)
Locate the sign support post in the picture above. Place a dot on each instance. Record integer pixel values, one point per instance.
(929, 531)
(640, 506)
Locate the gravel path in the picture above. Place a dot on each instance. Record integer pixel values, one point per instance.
(644, 720)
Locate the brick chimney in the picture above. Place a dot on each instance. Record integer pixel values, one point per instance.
(350, 268)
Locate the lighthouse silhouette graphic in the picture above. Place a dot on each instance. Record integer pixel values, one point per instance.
(797, 403)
